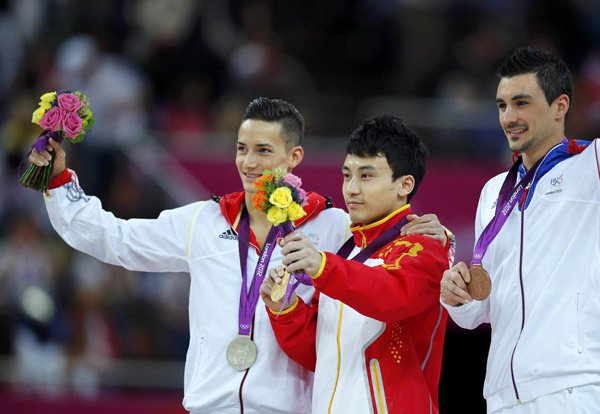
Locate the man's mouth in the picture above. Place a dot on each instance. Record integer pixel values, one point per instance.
(516, 132)
(252, 176)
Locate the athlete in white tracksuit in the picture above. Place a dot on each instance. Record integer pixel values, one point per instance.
(544, 307)
(201, 238)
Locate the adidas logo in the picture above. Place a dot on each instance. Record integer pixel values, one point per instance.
(228, 235)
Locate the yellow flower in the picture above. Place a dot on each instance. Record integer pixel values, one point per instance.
(37, 115)
(48, 97)
(276, 215)
(282, 197)
(295, 211)
(45, 105)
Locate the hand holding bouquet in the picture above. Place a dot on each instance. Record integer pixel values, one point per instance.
(279, 195)
(65, 114)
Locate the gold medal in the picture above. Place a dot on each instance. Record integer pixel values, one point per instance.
(278, 289)
(241, 353)
(480, 285)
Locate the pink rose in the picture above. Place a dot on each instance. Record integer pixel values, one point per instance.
(69, 102)
(52, 119)
(71, 125)
(293, 180)
(303, 197)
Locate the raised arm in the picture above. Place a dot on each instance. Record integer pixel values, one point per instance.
(158, 245)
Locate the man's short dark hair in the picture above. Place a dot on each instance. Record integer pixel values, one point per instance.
(282, 112)
(553, 75)
(389, 136)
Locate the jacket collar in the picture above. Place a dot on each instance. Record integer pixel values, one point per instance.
(556, 155)
(365, 234)
(231, 208)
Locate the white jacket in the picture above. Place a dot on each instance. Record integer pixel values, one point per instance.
(198, 239)
(553, 327)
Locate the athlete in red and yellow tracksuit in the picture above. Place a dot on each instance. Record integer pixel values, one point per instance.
(374, 333)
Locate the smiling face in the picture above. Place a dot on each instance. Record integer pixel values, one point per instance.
(260, 147)
(531, 125)
(369, 192)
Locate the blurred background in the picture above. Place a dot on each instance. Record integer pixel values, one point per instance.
(168, 82)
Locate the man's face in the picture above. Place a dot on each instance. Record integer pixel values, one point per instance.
(260, 147)
(369, 192)
(527, 119)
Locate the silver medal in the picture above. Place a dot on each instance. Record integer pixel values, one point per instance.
(241, 353)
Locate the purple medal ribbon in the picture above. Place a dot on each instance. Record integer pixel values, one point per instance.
(383, 239)
(286, 228)
(508, 197)
(248, 300)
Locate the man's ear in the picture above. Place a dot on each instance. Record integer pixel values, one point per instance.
(407, 184)
(296, 155)
(562, 106)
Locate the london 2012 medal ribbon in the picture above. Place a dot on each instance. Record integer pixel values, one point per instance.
(241, 352)
(480, 285)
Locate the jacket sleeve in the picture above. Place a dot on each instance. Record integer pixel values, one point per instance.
(296, 330)
(405, 282)
(158, 245)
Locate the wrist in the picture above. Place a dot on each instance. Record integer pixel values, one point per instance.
(60, 180)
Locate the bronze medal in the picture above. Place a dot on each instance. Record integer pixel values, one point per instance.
(480, 285)
(241, 353)
(278, 290)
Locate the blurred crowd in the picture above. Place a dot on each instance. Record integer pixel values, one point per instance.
(181, 72)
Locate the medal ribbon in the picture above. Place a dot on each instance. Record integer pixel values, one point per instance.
(508, 197)
(249, 298)
(383, 239)
(286, 228)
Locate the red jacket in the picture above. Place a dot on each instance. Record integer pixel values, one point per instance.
(380, 333)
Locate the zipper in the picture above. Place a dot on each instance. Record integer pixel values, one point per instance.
(512, 357)
(522, 205)
(339, 361)
(579, 347)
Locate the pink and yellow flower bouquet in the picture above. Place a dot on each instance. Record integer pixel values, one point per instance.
(64, 114)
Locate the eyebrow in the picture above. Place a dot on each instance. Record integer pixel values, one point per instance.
(515, 98)
(257, 145)
(361, 168)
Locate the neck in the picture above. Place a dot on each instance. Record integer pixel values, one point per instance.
(534, 155)
(258, 221)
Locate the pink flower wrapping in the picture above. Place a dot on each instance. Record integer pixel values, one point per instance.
(53, 119)
(71, 124)
(68, 102)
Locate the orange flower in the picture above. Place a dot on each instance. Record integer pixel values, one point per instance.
(260, 183)
(259, 198)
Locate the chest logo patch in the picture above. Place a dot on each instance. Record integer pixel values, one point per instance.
(555, 185)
